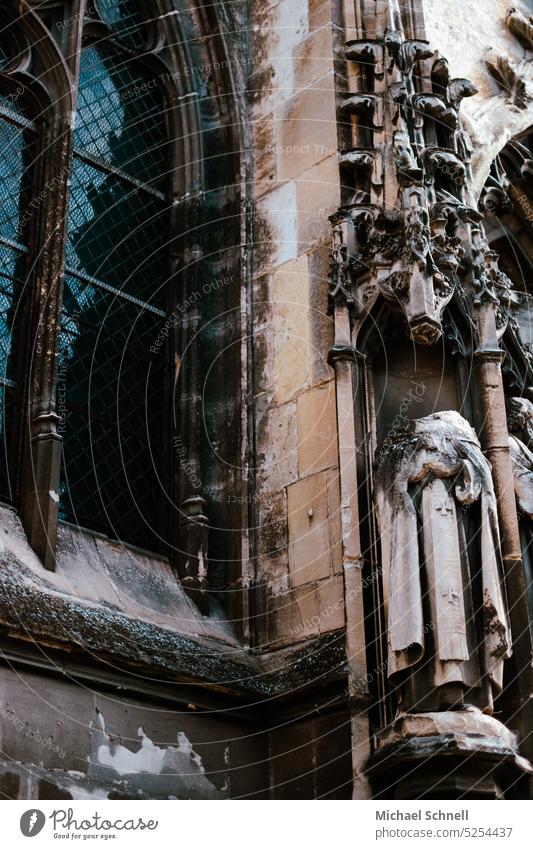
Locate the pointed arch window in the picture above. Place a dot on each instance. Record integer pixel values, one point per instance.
(116, 284)
(85, 272)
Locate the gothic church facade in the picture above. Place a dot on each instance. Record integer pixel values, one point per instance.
(266, 474)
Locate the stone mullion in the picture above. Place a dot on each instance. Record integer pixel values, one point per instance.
(42, 454)
(192, 561)
(191, 532)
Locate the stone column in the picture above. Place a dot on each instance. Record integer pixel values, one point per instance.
(343, 359)
(495, 442)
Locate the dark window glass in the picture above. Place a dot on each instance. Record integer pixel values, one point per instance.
(117, 233)
(110, 387)
(125, 19)
(5, 58)
(121, 117)
(16, 150)
(113, 387)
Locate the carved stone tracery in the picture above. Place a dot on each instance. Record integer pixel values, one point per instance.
(405, 235)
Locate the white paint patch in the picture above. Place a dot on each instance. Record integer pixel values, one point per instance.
(180, 763)
(290, 26)
(80, 793)
(280, 209)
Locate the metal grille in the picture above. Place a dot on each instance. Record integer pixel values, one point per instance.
(15, 159)
(125, 19)
(117, 233)
(10, 262)
(5, 58)
(114, 302)
(14, 180)
(114, 390)
(121, 117)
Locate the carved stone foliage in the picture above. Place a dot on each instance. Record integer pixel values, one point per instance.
(521, 26)
(438, 527)
(403, 225)
(508, 187)
(514, 77)
(407, 168)
(411, 229)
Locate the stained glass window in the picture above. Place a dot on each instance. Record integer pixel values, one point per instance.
(16, 153)
(114, 303)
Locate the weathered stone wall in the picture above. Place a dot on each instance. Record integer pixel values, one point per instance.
(467, 33)
(296, 188)
(62, 739)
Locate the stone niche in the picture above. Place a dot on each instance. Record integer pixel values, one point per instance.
(411, 382)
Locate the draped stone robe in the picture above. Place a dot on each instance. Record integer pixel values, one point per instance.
(520, 445)
(447, 626)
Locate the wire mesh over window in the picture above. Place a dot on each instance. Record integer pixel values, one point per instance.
(5, 57)
(125, 19)
(112, 365)
(112, 422)
(121, 117)
(117, 233)
(16, 153)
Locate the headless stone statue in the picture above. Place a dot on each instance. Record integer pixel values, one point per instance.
(447, 627)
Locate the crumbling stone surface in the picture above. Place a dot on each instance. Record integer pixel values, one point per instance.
(63, 622)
